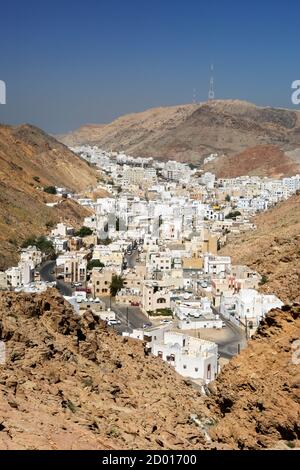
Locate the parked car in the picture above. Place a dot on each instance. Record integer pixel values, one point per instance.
(113, 322)
(147, 325)
(165, 321)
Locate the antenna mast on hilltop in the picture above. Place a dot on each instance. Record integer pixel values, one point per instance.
(211, 92)
(194, 96)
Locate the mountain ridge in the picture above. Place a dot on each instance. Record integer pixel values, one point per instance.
(190, 132)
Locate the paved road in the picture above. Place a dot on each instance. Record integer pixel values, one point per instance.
(46, 275)
(236, 339)
(131, 317)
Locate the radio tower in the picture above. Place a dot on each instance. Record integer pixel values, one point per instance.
(194, 96)
(211, 93)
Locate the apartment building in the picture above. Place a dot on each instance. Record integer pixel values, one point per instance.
(100, 281)
(156, 295)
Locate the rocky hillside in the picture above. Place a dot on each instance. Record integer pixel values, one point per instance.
(188, 132)
(262, 160)
(256, 398)
(29, 161)
(273, 249)
(68, 382)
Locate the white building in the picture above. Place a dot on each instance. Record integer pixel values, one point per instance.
(191, 357)
(248, 307)
(216, 265)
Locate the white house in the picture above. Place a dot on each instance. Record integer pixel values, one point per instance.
(248, 307)
(191, 357)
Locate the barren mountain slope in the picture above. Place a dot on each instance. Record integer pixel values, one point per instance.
(188, 132)
(26, 151)
(256, 398)
(262, 160)
(273, 249)
(30, 160)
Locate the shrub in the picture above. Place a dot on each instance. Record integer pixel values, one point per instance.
(84, 232)
(263, 280)
(162, 312)
(233, 215)
(50, 189)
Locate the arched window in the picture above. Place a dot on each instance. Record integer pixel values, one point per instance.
(161, 300)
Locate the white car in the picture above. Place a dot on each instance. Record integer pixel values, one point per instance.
(113, 322)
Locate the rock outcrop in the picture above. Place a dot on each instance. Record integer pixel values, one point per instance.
(70, 383)
(256, 398)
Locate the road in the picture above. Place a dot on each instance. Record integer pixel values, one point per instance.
(131, 317)
(235, 341)
(46, 270)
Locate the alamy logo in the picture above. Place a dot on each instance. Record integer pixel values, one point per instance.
(2, 352)
(296, 93)
(2, 92)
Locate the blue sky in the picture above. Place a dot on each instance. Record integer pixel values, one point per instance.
(68, 63)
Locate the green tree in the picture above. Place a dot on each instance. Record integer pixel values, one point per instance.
(41, 242)
(233, 215)
(117, 283)
(50, 189)
(95, 263)
(84, 232)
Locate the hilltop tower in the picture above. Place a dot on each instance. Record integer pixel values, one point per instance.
(211, 92)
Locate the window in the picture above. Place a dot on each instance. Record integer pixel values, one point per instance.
(184, 366)
(196, 369)
(97, 283)
(208, 375)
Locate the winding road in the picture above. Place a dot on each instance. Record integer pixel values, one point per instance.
(46, 273)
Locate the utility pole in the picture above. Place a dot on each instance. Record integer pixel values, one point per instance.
(127, 316)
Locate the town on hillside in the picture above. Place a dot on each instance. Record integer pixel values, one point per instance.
(146, 260)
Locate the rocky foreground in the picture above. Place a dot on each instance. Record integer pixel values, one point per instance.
(70, 383)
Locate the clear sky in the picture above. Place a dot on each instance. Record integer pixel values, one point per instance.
(70, 62)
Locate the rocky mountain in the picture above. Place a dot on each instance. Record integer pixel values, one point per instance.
(189, 132)
(256, 398)
(69, 382)
(273, 249)
(262, 160)
(29, 161)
